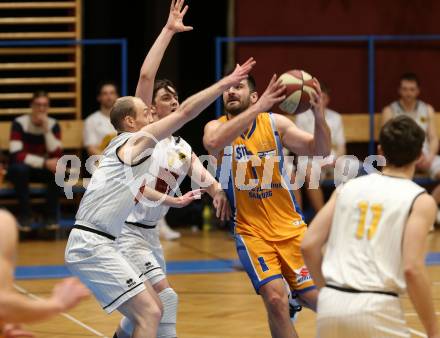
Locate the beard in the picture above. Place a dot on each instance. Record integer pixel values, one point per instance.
(237, 109)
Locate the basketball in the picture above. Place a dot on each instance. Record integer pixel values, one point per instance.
(299, 89)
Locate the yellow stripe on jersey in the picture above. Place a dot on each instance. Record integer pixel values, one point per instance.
(264, 207)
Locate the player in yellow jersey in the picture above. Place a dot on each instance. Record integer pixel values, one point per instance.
(268, 225)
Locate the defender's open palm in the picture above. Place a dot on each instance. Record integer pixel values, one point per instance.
(69, 293)
(240, 73)
(175, 19)
(186, 199)
(274, 93)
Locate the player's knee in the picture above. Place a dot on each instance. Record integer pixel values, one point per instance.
(146, 310)
(277, 303)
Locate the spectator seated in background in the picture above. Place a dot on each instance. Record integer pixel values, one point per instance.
(98, 130)
(408, 104)
(35, 147)
(306, 122)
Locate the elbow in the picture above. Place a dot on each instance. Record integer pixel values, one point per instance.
(212, 146)
(412, 271)
(145, 76)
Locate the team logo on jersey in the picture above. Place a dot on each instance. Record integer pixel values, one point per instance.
(242, 153)
(302, 275)
(423, 119)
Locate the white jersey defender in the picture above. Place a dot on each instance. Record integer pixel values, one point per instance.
(362, 265)
(92, 253)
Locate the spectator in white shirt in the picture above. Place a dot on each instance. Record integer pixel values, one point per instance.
(98, 130)
(306, 122)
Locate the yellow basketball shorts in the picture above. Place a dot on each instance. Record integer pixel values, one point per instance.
(265, 261)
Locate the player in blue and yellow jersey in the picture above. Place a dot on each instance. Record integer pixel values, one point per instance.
(268, 225)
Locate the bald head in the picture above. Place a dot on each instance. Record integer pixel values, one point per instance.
(123, 107)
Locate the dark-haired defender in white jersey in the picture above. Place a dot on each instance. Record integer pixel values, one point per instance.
(172, 160)
(375, 230)
(92, 253)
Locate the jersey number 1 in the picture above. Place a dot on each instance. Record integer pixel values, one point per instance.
(376, 209)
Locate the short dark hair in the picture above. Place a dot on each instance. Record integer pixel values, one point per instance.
(124, 106)
(401, 139)
(409, 77)
(40, 93)
(163, 83)
(252, 84)
(102, 84)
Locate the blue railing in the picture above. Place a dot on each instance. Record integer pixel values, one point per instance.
(369, 39)
(84, 42)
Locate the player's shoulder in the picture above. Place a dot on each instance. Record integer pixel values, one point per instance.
(426, 106)
(389, 108)
(424, 203)
(211, 125)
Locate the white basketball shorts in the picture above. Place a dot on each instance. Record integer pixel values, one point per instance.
(98, 263)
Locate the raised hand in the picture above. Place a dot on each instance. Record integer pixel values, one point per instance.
(175, 18)
(186, 199)
(240, 73)
(274, 93)
(221, 205)
(316, 100)
(68, 293)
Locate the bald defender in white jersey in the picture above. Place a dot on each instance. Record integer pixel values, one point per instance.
(92, 253)
(172, 159)
(375, 230)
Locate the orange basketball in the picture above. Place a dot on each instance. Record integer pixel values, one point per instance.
(299, 89)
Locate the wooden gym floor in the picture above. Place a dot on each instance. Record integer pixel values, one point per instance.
(211, 305)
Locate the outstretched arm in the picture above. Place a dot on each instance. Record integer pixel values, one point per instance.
(303, 143)
(144, 89)
(203, 178)
(17, 308)
(218, 135)
(414, 249)
(188, 110)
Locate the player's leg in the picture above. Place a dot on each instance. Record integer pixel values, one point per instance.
(262, 265)
(152, 266)
(98, 263)
(296, 273)
(143, 312)
(275, 299)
